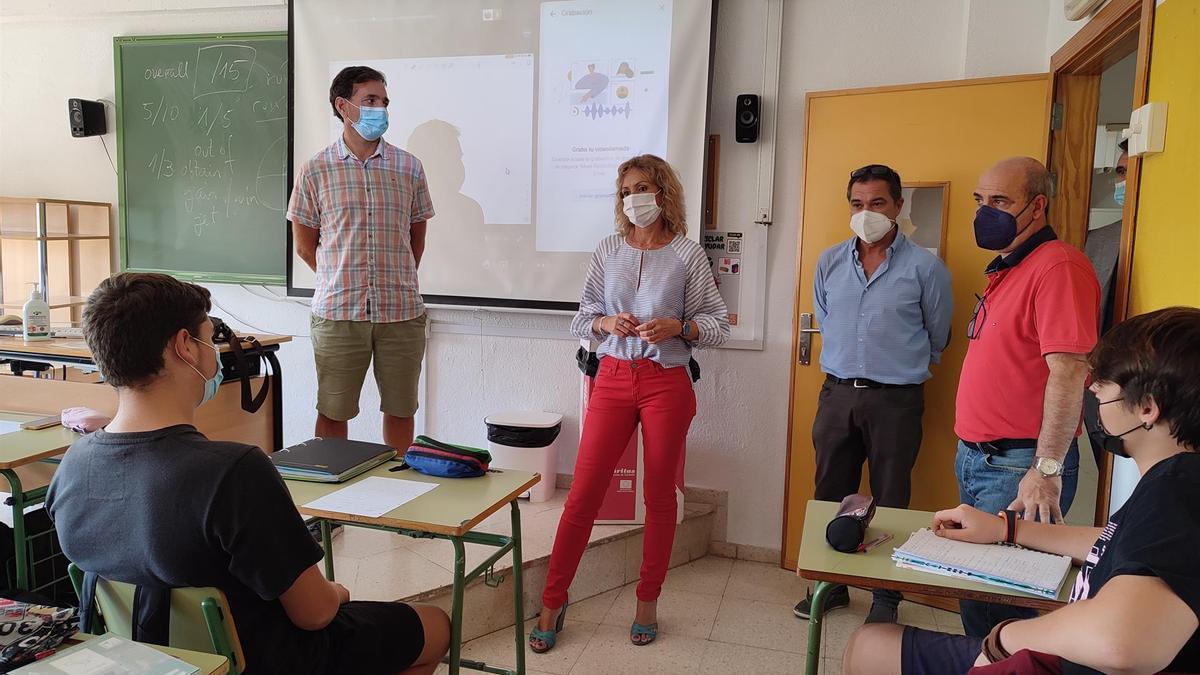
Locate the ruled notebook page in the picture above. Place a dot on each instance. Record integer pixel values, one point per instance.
(1008, 565)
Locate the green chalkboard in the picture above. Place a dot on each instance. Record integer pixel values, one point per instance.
(202, 128)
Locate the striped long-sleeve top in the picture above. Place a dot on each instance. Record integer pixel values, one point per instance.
(673, 282)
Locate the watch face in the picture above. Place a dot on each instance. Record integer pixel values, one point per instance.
(1048, 466)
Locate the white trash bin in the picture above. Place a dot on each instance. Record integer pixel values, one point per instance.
(526, 440)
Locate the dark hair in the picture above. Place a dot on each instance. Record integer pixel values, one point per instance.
(130, 318)
(1157, 355)
(343, 83)
(872, 172)
(1124, 145)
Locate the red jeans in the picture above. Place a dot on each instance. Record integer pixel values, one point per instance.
(625, 393)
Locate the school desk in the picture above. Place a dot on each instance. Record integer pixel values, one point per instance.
(221, 419)
(448, 512)
(875, 569)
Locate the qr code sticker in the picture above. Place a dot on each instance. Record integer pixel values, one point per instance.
(733, 245)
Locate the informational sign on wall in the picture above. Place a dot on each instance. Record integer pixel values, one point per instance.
(724, 250)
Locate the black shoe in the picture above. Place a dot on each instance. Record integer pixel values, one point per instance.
(315, 530)
(838, 597)
(885, 606)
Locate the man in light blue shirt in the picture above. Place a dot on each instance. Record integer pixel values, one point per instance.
(883, 305)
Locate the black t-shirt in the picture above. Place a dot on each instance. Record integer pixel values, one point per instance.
(1155, 534)
(172, 508)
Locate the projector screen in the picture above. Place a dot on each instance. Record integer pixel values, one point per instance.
(520, 112)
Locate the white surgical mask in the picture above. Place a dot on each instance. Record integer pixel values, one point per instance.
(870, 226)
(642, 209)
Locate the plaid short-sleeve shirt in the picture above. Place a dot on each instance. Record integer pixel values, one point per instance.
(364, 210)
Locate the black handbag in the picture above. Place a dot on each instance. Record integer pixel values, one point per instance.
(247, 363)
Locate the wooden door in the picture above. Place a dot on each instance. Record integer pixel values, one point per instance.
(935, 132)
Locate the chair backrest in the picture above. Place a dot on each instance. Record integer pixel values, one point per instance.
(200, 617)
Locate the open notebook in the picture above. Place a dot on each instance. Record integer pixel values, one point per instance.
(1020, 569)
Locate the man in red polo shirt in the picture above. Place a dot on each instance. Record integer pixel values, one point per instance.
(1022, 383)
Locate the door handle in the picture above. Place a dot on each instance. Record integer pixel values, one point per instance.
(806, 332)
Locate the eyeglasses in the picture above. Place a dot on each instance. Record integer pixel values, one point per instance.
(978, 318)
(872, 169)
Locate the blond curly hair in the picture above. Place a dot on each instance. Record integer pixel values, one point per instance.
(670, 196)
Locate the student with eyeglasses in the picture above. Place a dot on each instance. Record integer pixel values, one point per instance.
(884, 307)
(1021, 388)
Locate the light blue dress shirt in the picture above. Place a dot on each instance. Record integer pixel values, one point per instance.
(888, 328)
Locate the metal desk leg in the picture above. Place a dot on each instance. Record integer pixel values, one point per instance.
(20, 546)
(518, 588)
(327, 541)
(456, 610)
(812, 664)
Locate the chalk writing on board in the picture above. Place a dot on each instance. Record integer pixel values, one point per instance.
(207, 121)
(159, 112)
(223, 69)
(176, 72)
(204, 134)
(209, 173)
(160, 166)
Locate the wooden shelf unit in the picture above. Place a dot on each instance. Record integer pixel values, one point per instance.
(65, 245)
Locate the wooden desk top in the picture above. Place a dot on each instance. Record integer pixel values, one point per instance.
(78, 349)
(21, 447)
(875, 568)
(209, 664)
(456, 506)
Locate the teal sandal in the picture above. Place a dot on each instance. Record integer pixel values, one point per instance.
(638, 631)
(548, 637)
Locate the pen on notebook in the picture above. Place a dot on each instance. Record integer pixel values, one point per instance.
(863, 548)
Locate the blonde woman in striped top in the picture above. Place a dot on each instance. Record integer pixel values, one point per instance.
(650, 298)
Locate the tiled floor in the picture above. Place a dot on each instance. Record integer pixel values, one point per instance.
(715, 615)
(383, 566)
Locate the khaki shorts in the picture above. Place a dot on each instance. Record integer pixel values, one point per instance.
(344, 349)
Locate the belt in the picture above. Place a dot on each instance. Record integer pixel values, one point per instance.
(1001, 445)
(864, 383)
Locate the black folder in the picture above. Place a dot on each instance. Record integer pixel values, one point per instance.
(330, 460)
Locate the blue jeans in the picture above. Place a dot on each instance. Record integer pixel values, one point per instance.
(989, 482)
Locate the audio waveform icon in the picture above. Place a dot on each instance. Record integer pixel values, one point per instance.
(596, 111)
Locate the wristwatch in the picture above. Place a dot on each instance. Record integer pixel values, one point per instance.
(1048, 467)
(686, 333)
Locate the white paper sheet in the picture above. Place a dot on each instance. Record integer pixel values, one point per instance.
(372, 497)
(7, 426)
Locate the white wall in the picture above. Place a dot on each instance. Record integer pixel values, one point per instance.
(738, 441)
(1059, 29)
(1116, 91)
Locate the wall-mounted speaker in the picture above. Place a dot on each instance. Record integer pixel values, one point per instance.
(746, 118)
(87, 117)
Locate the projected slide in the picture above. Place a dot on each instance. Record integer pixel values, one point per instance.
(520, 111)
(473, 136)
(602, 98)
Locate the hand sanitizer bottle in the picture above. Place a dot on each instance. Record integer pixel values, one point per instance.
(36, 316)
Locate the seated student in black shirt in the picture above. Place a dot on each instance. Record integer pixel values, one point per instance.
(150, 501)
(1135, 603)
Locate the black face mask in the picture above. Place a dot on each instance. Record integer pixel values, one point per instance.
(1113, 443)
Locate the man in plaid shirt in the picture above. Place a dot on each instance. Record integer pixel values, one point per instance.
(358, 212)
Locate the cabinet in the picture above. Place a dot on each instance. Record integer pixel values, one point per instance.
(63, 244)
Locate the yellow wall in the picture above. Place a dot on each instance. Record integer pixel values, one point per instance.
(1166, 254)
